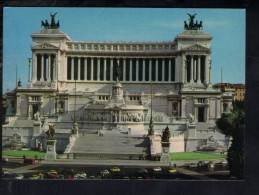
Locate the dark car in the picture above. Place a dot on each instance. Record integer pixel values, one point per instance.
(142, 171)
(201, 163)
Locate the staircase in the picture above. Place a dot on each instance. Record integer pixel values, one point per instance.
(110, 146)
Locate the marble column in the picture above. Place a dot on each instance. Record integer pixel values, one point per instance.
(72, 68)
(131, 70)
(79, 68)
(169, 69)
(156, 69)
(143, 69)
(85, 65)
(194, 69)
(56, 66)
(124, 69)
(111, 69)
(150, 69)
(92, 69)
(49, 67)
(163, 69)
(98, 69)
(199, 70)
(191, 70)
(42, 68)
(104, 68)
(184, 69)
(137, 69)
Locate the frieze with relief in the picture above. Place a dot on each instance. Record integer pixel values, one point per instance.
(196, 47)
(45, 46)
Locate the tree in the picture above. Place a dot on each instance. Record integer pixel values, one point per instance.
(166, 135)
(232, 124)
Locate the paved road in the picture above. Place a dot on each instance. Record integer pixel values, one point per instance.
(101, 164)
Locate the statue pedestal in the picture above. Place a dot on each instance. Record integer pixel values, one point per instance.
(36, 127)
(51, 150)
(191, 131)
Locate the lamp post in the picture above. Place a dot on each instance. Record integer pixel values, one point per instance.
(151, 130)
(29, 75)
(75, 103)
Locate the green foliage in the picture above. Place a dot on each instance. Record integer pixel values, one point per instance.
(20, 153)
(166, 135)
(195, 156)
(232, 124)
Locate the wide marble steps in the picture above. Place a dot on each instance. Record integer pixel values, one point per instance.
(112, 146)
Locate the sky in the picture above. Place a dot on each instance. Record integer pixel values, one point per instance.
(227, 26)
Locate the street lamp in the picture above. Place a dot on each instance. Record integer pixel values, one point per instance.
(151, 130)
(75, 103)
(29, 75)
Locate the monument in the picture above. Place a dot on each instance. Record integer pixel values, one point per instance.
(110, 82)
(51, 144)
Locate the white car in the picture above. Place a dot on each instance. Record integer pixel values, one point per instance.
(224, 163)
(192, 165)
(4, 159)
(105, 172)
(16, 176)
(157, 169)
(82, 174)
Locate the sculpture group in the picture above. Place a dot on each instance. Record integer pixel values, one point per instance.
(51, 132)
(192, 25)
(52, 25)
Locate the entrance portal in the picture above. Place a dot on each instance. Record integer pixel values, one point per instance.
(201, 114)
(35, 108)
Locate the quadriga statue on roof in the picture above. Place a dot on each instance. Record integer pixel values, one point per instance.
(192, 25)
(52, 25)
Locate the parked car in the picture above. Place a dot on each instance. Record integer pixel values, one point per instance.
(15, 176)
(4, 160)
(92, 177)
(52, 172)
(172, 170)
(105, 172)
(30, 161)
(142, 171)
(115, 169)
(211, 164)
(156, 169)
(224, 163)
(125, 177)
(82, 174)
(4, 172)
(192, 165)
(61, 176)
(201, 163)
(34, 177)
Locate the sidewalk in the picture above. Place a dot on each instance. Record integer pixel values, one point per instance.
(145, 163)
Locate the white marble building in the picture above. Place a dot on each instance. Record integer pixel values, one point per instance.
(75, 79)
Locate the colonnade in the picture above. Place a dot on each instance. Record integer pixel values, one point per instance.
(44, 68)
(132, 69)
(197, 69)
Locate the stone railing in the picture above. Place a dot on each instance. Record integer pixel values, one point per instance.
(122, 46)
